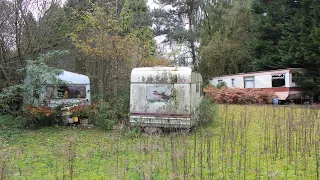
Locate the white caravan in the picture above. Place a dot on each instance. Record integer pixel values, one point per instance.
(165, 97)
(280, 81)
(74, 90)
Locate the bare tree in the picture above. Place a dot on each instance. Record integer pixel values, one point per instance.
(26, 26)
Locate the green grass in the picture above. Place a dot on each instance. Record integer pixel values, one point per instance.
(243, 142)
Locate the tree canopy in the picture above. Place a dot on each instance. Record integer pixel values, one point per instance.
(113, 36)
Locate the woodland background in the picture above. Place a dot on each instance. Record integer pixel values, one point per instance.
(107, 38)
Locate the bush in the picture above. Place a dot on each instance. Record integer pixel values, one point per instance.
(121, 105)
(239, 96)
(208, 110)
(11, 100)
(107, 114)
(221, 84)
(104, 116)
(10, 125)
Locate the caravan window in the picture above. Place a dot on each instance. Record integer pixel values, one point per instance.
(278, 80)
(248, 82)
(159, 93)
(65, 92)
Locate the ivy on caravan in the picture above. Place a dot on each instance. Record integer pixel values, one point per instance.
(74, 90)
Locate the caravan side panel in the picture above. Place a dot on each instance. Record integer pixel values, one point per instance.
(231, 81)
(163, 97)
(262, 81)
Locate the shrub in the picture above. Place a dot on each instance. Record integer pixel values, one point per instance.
(10, 125)
(83, 110)
(221, 84)
(208, 110)
(110, 111)
(121, 104)
(11, 99)
(103, 116)
(239, 96)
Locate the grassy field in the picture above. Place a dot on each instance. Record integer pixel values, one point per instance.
(242, 142)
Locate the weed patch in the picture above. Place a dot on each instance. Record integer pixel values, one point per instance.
(243, 142)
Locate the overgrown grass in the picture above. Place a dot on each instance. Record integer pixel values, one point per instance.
(243, 142)
(11, 126)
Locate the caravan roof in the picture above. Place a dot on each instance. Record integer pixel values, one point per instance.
(260, 72)
(74, 78)
(161, 75)
(68, 77)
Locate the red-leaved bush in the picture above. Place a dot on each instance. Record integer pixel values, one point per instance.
(238, 95)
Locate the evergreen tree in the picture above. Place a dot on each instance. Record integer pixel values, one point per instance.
(225, 30)
(287, 36)
(179, 24)
(136, 21)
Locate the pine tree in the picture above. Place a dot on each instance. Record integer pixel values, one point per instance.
(287, 36)
(179, 24)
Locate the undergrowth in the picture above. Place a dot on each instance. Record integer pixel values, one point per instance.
(242, 142)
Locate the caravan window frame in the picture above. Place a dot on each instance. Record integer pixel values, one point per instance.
(57, 94)
(275, 80)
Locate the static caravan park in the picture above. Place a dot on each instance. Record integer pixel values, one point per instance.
(165, 97)
(279, 81)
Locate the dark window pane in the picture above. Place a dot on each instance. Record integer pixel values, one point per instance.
(278, 80)
(66, 92)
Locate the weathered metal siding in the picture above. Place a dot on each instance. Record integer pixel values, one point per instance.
(182, 101)
(161, 75)
(164, 96)
(138, 93)
(179, 103)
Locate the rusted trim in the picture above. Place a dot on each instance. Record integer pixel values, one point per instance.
(295, 89)
(161, 115)
(279, 89)
(274, 89)
(160, 83)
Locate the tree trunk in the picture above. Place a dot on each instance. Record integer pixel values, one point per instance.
(17, 30)
(191, 39)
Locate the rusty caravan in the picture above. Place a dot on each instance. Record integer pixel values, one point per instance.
(165, 97)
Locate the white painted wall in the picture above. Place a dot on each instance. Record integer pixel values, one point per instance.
(288, 79)
(261, 80)
(238, 81)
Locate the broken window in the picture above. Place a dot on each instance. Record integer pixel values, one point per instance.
(65, 92)
(278, 80)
